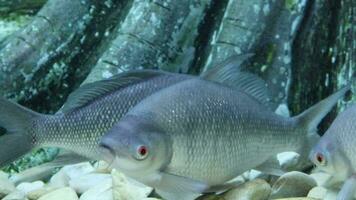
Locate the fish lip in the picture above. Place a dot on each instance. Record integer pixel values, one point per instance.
(107, 151)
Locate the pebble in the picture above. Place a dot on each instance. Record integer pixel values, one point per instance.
(87, 181)
(288, 160)
(59, 180)
(63, 176)
(102, 167)
(29, 187)
(102, 192)
(292, 184)
(36, 194)
(331, 195)
(257, 189)
(15, 195)
(124, 188)
(77, 170)
(65, 193)
(298, 198)
(6, 186)
(321, 178)
(317, 192)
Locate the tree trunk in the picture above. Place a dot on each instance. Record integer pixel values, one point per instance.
(323, 56)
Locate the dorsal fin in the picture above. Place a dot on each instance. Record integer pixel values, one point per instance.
(229, 73)
(255, 87)
(225, 70)
(91, 91)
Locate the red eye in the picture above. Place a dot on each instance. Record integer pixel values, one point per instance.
(142, 150)
(320, 158)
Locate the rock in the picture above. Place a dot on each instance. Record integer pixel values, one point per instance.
(63, 176)
(124, 188)
(251, 175)
(77, 170)
(29, 187)
(87, 181)
(321, 178)
(210, 197)
(15, 195)
(292, 184)
(102, 192)
(60, 179)
(331, 195)
(257, 189)
(288, 160)
(317, 192)
(66, 193)
(36, 194)
(102, 167)
(6, 186)
(298, 198)
(4, 175)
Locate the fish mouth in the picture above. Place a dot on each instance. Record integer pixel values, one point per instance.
(107, 152)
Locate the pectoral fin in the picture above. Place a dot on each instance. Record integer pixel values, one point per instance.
(42, 172)
(271, 166)
(348, 189)
(172, 187)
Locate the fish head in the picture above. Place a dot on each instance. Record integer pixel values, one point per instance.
(136, 146)
(328, 157)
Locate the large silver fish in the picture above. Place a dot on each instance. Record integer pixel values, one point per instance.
(89, 112)
(196, 135)
(335, 153)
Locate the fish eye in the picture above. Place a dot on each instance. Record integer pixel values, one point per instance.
(320, 159)
(142, 152)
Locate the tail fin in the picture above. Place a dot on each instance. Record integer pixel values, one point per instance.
(310, 118)
(17, 121)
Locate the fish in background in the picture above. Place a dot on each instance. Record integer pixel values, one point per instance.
(335, 153)
(88, 113)
(195, 136)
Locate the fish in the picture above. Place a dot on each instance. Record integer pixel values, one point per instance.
(336, 150)
(195, 136)
(89, 112)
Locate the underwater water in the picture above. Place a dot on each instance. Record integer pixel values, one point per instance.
(177, 100)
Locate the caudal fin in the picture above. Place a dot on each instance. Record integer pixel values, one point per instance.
(310, 118)
(17, 120)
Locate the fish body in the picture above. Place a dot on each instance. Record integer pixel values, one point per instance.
(208, 134)
(90, 111)
(336, 150)
(83, 120)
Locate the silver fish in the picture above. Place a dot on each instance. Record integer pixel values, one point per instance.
(88, 113)
(336, 150)
(196, 135)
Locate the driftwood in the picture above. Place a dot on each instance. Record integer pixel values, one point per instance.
(323, 57)
(43, 55)
(265, 28)
(155, 34)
